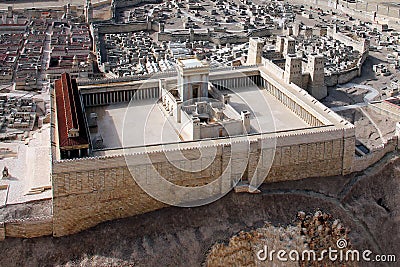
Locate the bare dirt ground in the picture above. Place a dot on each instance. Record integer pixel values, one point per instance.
(318, 231)
(366, 203)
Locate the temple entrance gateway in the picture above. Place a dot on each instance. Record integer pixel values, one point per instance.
(196, 89)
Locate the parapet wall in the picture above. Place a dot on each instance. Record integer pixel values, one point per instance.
(273, 67)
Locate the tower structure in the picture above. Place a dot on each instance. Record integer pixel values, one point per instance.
(254, 55)
(280, 42)
(316, 84)
(289, 46)
(293, 70)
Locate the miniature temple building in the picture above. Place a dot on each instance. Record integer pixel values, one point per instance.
(200, 110)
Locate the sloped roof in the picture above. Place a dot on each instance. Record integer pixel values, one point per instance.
(69, 113)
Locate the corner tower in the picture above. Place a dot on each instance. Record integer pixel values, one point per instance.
(293, 70)
(316, 84)
(255, 51)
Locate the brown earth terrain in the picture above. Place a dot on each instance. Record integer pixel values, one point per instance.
(317, 232)
(367, 204)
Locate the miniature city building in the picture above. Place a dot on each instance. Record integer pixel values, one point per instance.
(198, 116)
(316, 84)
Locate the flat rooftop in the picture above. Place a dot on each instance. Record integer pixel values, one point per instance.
(191, 63)
(29, 169)
(143, 122)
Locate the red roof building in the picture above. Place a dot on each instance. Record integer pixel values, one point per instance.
(72, 132)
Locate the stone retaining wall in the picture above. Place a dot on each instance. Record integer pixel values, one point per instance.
(362, 163)
(92, 190)
(27, 228)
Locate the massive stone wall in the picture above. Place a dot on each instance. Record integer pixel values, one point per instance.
(27, 228)
(341, 78)
(92, 190)
(86, 198)
(86, 194)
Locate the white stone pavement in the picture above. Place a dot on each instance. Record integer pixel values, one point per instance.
(30, 169)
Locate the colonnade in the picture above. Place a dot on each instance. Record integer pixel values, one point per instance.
(291, 104)
(236, 82)
(112, 97)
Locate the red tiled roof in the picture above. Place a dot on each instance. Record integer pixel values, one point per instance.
(69, 113)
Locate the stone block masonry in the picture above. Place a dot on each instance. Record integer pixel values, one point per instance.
(27, 228)
(89, 191)
(92, 190)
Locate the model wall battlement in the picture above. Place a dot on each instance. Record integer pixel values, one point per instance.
(159, 75)
(314, 134)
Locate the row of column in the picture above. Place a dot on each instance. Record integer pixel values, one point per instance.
(76, 153)
(105, 98)
(256, 79)
(239, 81)
(292, 105)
